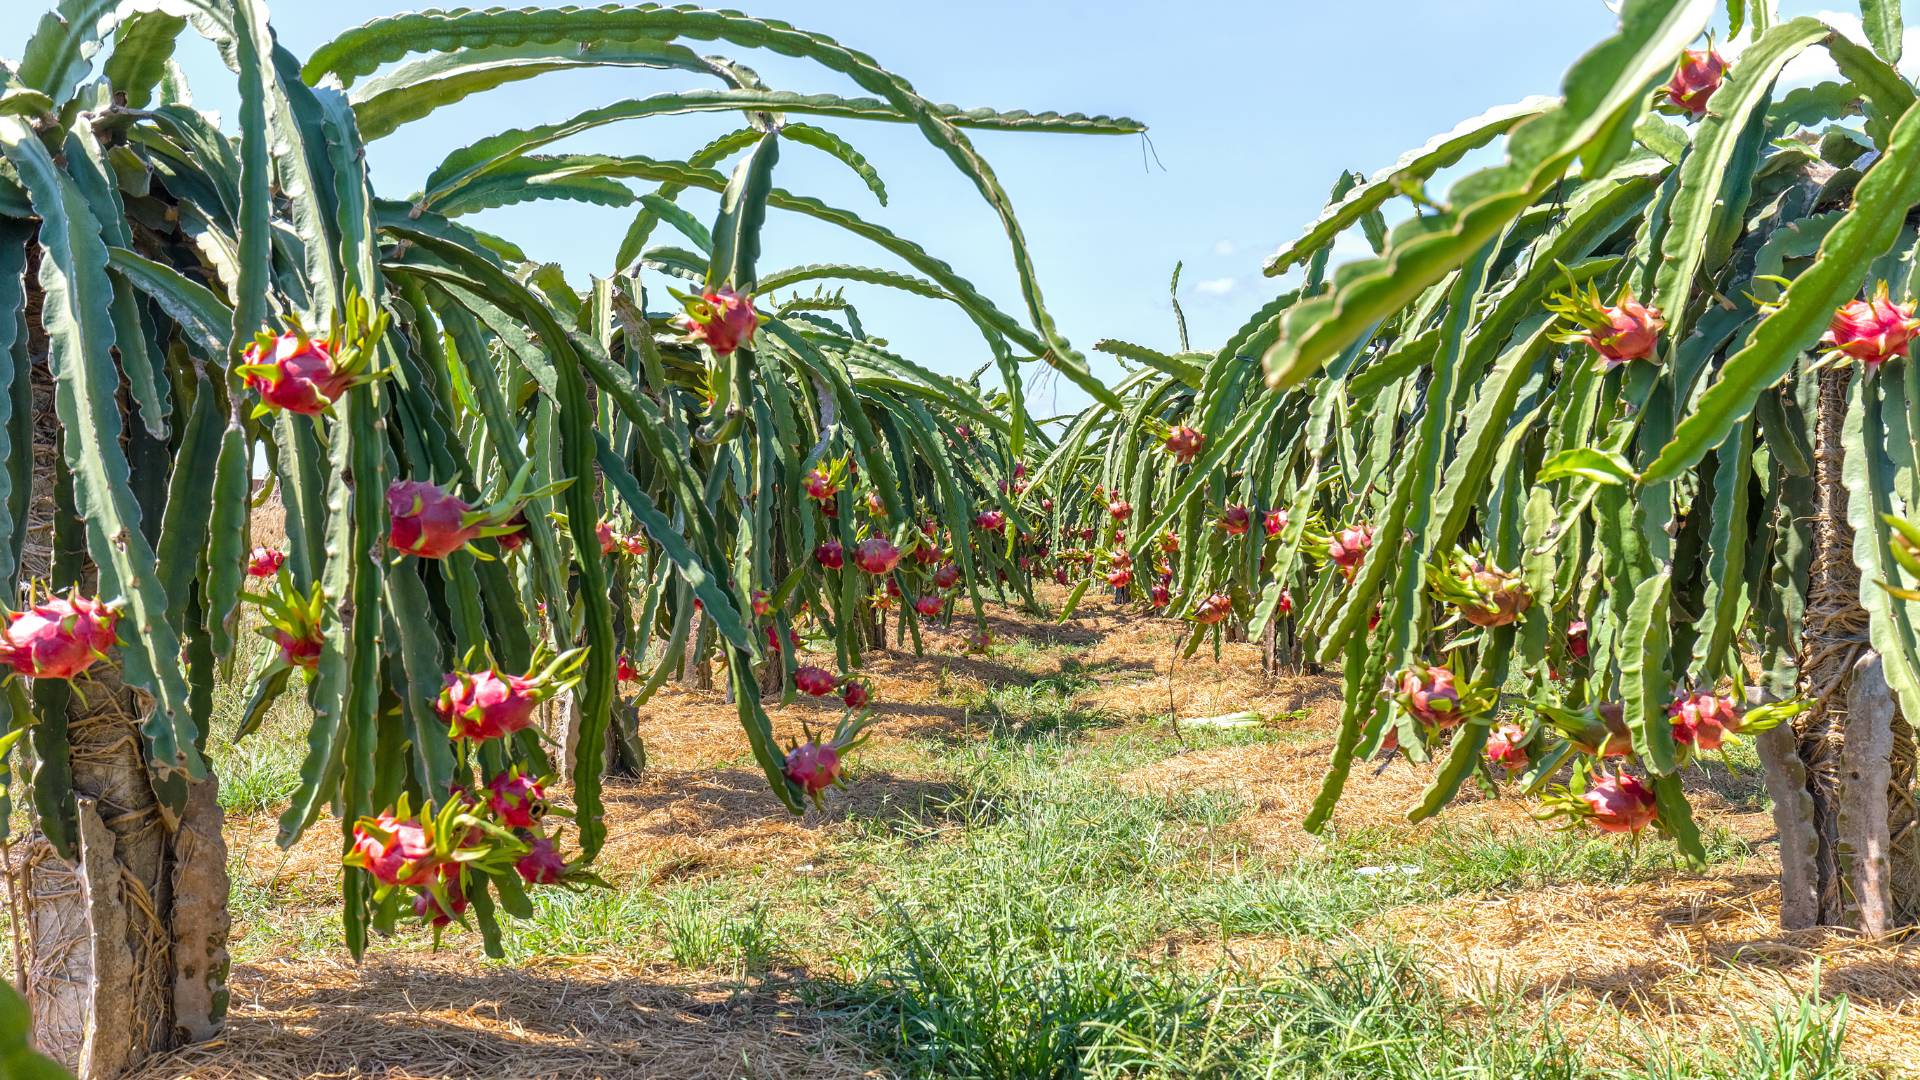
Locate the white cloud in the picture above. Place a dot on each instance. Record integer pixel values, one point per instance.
(1813, 65)
(1219, 286)
(1225, 247)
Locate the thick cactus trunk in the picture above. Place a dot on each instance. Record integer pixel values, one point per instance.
(126, 943)
(1843, 778)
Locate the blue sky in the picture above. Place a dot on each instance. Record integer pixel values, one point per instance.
(1253, 107)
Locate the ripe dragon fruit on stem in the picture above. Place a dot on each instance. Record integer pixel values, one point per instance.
(430, 909)
(1484, 594)
(395, 852)
(1507, 747)
(1430, 696)
(1702, 719)
(928, 606)
(299, 373)
(820, 485)
(1234, 520)
(814, 681)
(265, 562)
(947, 576)
(990, 520)
(830, 554)
(1349, 547)
(1275, 522)
(876, 555)
(1213, 609)
(488, 705)
(722, 319)
(1618, 802)
(1872, 331)
(59, 637)
(519, 802)
(1699, 74)
(542, 864)
(855, 695)
(1121, 509)
(1622, 331)
(1184, 443)
(814, 767)
(431, 523)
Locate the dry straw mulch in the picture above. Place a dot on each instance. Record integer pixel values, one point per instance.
(428, 1018)
(1685, 955)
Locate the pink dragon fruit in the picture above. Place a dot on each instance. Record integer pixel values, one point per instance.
(1577, 639)
(1485, 595)
(1619, 802)
(1694, 81)
(58, 638)
(723, 319)
(1213, 609)
(486, 704)
(1872, 331)
(609, 540)
(947, 576)
(395, 852)
(1507, 747)
(1632, 332)
(518, 801)
(1430, 697)
(634, 543)
(1285, 607)
(814, 681)
(427, 521)
(1184, 444)
(876, 555)
(1234, 520)
(1121, 509)
(512, 541)
(762, 603)
(1161, 595)
(773, 639)
(428, 908)
(928, 605)
(542, 864)
(265, 562)
(814, 767)
(819, 484)
(294, 372)
(855, 694)
(1349, 548)
(990, 520)
(1702, 719)
(1275, 522)
(830, 554)
(300, 652)
(625, 669)
(1120, 577)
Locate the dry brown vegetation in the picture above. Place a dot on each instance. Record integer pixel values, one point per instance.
(1679, 952)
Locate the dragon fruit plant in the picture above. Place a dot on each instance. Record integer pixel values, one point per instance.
(168, 267)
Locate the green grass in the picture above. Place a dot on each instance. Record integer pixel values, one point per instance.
(1019, 919)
